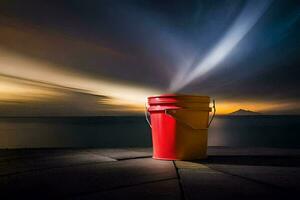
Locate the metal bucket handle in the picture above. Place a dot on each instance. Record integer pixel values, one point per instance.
(146, 115)
(166, 112)
(214, 113)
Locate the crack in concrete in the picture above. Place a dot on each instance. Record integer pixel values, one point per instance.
(71, 165)
(272, 186)
(140, 157)
(50, 168)
(182, 193)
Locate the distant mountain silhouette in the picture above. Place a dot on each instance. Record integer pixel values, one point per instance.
(244, 112)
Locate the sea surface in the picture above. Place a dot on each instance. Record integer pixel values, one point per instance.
(113, 132)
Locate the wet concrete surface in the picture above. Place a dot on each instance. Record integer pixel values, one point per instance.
(131, 173)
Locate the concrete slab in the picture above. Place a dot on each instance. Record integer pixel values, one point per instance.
(201, 182)
(84, 179)
(50, 161)
(227, 173)
(286, 178)
(276, 167)
(167, 190)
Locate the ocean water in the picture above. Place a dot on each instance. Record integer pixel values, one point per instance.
(113, 132)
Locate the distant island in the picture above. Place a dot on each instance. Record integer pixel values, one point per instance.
(242, 112)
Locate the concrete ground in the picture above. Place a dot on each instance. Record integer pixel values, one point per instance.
(228, 173)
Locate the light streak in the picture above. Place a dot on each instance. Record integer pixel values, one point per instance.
(119, 93)
(248, 17)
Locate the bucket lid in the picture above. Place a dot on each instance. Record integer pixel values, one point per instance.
(173, 98)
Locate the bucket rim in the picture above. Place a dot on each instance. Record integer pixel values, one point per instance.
(177, 98)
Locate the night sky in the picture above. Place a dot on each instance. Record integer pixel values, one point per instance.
(105, 57)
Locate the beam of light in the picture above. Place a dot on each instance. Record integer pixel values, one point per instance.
(12, 92)
(119, 93)
(248, 17)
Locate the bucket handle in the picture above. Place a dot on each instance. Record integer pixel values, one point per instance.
(214, 113)
(146, 115)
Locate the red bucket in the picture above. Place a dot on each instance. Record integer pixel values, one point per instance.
(179, 126)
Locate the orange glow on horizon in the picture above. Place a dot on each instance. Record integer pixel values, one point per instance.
(227, 107)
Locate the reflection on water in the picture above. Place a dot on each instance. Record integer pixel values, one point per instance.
(267, 131)
(74, 132)
(264, 131)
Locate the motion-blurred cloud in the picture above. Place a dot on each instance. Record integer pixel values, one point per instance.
(106, 57)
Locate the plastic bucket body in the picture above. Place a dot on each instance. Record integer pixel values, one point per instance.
(179, 126)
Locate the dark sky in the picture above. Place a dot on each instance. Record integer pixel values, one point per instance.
(103, 57)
